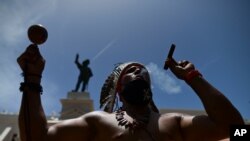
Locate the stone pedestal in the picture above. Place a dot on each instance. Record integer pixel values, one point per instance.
(75, 105)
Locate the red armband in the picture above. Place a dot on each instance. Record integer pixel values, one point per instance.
(191, 75)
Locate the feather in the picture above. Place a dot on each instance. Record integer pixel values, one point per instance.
(108, 94)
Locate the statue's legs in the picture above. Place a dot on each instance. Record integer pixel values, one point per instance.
(77, 85)
(83, 86)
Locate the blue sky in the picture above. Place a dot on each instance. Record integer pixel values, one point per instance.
(213, 34)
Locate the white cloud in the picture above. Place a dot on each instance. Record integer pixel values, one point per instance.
(17, 15)
(162, 80)
(9, 87)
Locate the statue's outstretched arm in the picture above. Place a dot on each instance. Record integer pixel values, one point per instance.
(77, 61)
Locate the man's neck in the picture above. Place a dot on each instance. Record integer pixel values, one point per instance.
(137, 111)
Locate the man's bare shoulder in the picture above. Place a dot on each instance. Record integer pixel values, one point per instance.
(88, 118)
(173, 119)
(95, 115)
(173, 115)
(87, 121)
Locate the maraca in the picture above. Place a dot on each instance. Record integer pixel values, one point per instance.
(37, 34)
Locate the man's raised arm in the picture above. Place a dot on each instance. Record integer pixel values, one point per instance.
(221, 112)
(32, 121)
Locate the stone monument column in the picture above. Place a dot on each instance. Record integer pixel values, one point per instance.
(75, 105)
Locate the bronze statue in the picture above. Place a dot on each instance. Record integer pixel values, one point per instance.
(85, 74)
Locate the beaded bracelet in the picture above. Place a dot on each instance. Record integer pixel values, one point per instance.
(32, 86)
(191, 75)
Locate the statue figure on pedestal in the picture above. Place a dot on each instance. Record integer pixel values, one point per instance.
(85, 74)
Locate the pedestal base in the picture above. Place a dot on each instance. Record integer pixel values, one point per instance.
(76, 104)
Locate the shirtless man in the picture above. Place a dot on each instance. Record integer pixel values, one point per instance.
(138, 119)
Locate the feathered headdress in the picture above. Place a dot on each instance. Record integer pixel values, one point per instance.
(111, 86)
